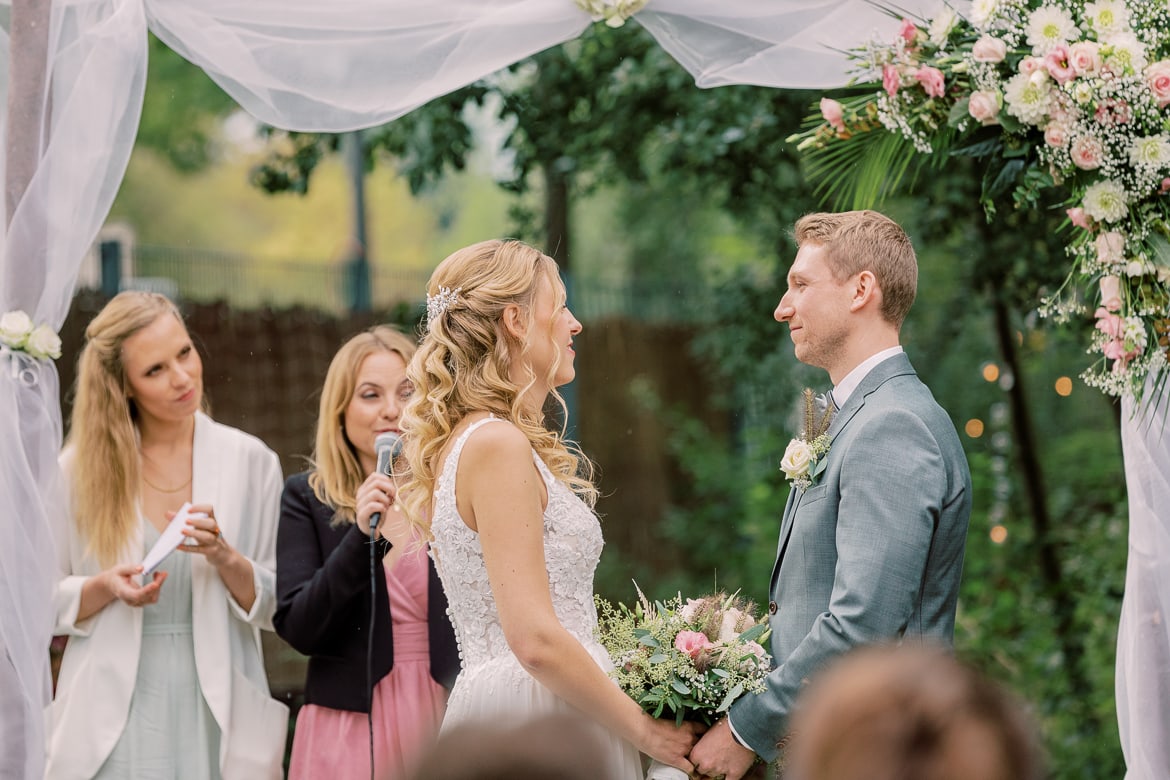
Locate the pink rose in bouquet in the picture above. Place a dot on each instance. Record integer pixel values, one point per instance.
(692, 642)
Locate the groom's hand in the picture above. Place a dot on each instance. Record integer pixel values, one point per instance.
(717, 754)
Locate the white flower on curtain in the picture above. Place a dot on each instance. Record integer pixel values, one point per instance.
(19, 334)
(614, 12)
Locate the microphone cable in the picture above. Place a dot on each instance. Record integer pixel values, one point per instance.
(387, 444)
(370, 647)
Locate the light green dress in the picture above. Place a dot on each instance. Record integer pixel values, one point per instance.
(170, 732)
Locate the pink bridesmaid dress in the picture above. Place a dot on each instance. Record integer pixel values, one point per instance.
(408, 703)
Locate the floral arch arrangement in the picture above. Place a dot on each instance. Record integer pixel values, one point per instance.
(1063, 99)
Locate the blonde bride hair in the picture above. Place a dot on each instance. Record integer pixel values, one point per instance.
(464, 364)
(102, 428)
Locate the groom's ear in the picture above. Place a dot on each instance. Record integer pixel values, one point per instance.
(866, 292)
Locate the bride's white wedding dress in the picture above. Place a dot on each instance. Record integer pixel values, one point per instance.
(492, 685)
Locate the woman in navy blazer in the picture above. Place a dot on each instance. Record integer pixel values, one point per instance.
(323, 582)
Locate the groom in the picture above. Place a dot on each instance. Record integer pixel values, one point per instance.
(872, 551)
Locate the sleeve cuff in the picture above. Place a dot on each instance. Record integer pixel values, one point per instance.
(735, 735)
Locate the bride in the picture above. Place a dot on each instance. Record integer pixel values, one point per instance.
(515, 539)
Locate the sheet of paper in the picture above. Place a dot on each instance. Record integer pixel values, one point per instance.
(172, 537)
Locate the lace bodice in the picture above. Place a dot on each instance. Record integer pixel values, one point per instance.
(572, 549)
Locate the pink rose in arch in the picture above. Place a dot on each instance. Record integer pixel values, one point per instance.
(1058, 65)
(1110, 249)
(1055, 134)
(1158, 80)
(989, 49)
(833, 113)
(984, 106)
(1108, 323)
(1086, 153)
(1115, 350)
(1030, 65)
(1085, 57)
(692, 643)
(932, 81)
(1111, 112)
(1110, 293)
(891, 79)
(1078, 217)
(908, 32)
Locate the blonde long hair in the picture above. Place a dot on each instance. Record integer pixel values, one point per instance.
(464, 365)
(337, 471)
(102, 433)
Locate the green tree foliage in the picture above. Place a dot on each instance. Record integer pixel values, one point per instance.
(181, 110)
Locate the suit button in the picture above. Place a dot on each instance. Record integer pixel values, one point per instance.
(772, 607)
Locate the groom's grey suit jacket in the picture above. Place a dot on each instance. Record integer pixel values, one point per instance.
(873, 551)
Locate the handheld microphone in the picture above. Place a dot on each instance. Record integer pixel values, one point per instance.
(388, 445)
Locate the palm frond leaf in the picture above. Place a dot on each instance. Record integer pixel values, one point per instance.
(864, 171)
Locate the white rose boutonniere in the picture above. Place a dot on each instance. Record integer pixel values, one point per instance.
(804, 458)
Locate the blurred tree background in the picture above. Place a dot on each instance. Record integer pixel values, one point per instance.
(604, 152)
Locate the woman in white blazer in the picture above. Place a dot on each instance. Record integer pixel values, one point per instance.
(162, 675)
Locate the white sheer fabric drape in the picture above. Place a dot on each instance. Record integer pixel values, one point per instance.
(357, 63)
(1143, 637)
(301, 65)
(82, 142)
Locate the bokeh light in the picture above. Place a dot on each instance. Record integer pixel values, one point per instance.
(998, 534)
(990, 372)
(1064, 386)
(974, 427)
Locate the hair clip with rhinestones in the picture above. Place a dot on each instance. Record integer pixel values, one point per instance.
(439, 303)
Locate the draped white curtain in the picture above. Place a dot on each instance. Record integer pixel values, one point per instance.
(302, 65)
(1143, 637)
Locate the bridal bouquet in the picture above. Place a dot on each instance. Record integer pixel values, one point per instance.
(686, 660)
(1056, 96)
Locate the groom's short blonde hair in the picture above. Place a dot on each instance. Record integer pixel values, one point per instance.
(857, 241)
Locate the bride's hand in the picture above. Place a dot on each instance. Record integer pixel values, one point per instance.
(668, 743)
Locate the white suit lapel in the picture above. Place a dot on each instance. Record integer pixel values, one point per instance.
(212, 644)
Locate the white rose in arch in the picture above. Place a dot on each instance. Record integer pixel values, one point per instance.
(43, 342)
(15, 326)
(796, 459)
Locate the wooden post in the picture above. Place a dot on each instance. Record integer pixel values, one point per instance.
(28, 108)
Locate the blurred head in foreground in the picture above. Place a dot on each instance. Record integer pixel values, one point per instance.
(554, 746)
(910, 713)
